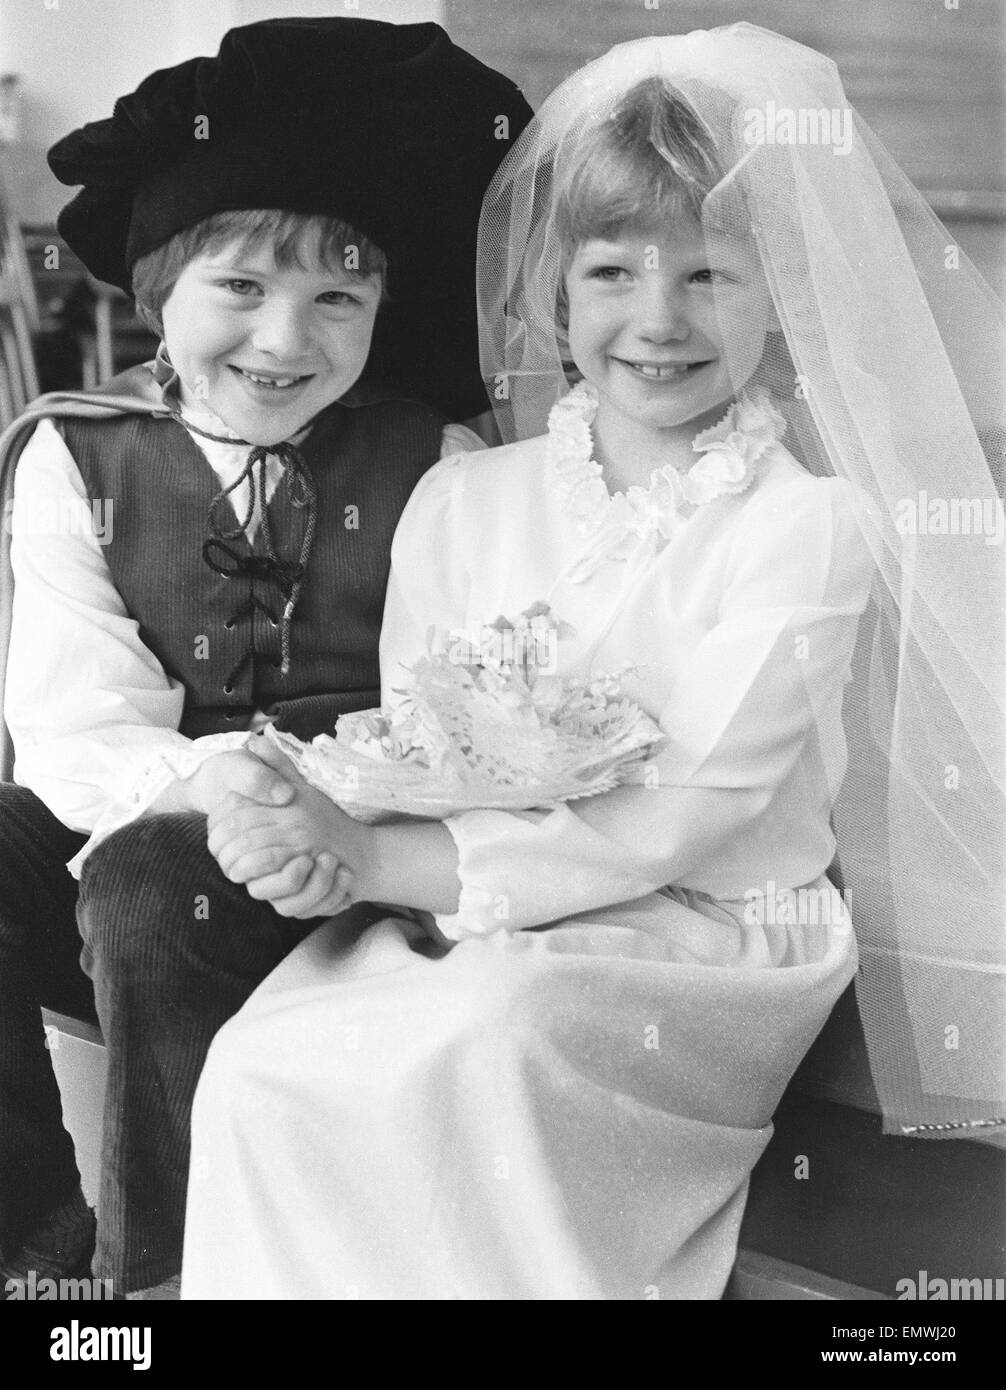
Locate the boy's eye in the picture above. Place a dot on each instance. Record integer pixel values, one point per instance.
(340, 298)
(242, 287)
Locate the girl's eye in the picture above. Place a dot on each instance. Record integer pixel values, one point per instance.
(609, 273)
(708, 276)
(241, 287)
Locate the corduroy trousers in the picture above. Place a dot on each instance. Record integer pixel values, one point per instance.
(163, 950)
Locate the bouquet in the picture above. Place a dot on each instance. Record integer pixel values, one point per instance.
(487, 723)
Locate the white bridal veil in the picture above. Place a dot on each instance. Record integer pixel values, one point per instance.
(889, 368)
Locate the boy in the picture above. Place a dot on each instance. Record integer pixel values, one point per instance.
(296, 210)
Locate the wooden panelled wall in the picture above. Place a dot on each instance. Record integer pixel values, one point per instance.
(926, 74)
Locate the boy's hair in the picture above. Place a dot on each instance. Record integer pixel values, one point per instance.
(651, 162)
(294, 238)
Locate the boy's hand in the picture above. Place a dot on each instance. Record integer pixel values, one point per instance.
(237, 774)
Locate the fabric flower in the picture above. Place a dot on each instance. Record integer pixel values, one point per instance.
(727, 468)
(732, 448)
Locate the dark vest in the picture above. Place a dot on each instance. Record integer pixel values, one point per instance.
(220, 636)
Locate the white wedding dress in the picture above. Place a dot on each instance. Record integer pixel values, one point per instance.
(571, 1112)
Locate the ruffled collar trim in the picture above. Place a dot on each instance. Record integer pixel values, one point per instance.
(730, 453)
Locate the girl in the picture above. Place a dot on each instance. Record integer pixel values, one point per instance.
(567, 1099)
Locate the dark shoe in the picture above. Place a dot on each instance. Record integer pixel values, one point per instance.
(61, 1247)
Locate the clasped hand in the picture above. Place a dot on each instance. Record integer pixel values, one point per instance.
(305, 857)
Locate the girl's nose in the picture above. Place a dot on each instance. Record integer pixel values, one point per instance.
(282, 330)
(663, 311)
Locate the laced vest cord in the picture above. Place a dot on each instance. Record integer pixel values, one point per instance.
(223, 559)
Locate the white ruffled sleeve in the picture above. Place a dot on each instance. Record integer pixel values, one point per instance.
(798, 578)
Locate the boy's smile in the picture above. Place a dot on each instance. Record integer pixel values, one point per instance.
(266, 347)
(668, 328)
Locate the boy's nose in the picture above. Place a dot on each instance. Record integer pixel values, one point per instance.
(281, 330)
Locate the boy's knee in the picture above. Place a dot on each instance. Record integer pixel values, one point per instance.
(145, 883)
(152, 850)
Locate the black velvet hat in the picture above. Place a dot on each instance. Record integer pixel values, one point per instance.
(391, 127)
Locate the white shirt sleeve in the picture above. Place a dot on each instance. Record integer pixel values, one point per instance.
(88, 705)
(737, 721)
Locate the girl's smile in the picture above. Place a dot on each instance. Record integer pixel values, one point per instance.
(668, 328)
(665, 371)
(266, 347)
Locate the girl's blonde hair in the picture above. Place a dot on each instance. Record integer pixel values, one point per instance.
(649, 164)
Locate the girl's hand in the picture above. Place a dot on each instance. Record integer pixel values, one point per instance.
(410, 862)
(290, 855)
(307, 888)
